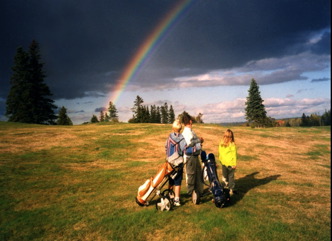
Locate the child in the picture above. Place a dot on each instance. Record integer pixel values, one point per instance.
(193, 166)
(228, 157)
(176, 137)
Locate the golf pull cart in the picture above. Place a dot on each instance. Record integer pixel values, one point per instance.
(155, 187)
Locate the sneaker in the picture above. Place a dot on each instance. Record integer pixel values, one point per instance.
(177, 203)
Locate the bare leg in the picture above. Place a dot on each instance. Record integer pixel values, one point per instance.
(177, 190)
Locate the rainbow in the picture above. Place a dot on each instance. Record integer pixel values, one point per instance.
(146, 48)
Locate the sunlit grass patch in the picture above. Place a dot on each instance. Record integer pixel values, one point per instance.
(247, 157)
(317, 151)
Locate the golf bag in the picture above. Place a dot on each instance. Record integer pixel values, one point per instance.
(220, 195)
(153, 187)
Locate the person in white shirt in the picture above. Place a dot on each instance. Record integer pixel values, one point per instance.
(193, 166)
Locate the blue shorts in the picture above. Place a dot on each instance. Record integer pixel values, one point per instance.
(178, 178)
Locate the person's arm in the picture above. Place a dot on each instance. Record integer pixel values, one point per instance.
(220, 149)
(195, 139)
(183, 145)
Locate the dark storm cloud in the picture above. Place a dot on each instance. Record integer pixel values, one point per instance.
(79, 40)
(86, 44)
(230, 33)
(323, 46)
(99, 109)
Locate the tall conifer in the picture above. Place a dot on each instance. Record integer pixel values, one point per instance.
(255, 109)
(29, 98)
(113, 112)
(63, 118)
(171, 115)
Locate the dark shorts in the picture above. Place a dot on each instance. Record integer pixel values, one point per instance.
(178, 178)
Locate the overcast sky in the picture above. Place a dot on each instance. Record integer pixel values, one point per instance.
(203, 64)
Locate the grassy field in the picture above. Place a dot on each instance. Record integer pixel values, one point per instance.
(79, 183)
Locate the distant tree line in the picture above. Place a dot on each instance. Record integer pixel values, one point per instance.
(153, 114)
(143, 114)
(316, 120)
(309, 120)
(29, 99)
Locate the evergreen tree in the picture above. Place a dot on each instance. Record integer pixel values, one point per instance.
(304, 120)
(94, 119)
(158, 115)
(255, 110)
(171, 115)
(106, 117)
(63, 118)
(29, 98)
(315, 120)
(153, 114)
(138, 110)
(326, 118)
(164, 113)
(101, 116)
(113, 112)
(16, 105)
(146, 115)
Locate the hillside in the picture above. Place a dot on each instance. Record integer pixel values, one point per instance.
(79, 183)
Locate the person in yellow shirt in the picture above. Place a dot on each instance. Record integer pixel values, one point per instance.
(228, 159)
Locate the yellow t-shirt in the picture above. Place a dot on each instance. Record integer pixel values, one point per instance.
(228, 154)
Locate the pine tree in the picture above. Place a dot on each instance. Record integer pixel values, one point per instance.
(164, 113)
(63, 118)
(29, 98)
(255, 110)
(153, 114)
(94, 119)
(106, 117)
(305, 120)
(113, 112)
(158, 115)
(171, 115)
(138, 110)
(101, 116)
(326, 118)
(16, 104)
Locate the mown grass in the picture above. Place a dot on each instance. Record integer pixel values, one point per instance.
(79, 183)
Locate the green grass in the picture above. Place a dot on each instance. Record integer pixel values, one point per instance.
(79, 183)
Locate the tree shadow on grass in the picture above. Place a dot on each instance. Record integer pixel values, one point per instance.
(248, 182)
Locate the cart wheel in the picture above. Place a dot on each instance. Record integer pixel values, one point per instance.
(218, 201)
(164, 204)
(169, 193)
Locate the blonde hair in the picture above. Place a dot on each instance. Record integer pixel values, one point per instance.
(176, 126)
(228, 137)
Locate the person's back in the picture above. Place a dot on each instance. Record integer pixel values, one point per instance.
(179, 140)
(176, 143)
